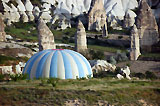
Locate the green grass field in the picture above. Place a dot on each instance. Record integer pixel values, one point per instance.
(116, 92)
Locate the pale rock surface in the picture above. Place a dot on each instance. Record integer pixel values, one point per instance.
(45, 36)
(101, 65)
(45, 15)
(129, 19)
(126, 71)
(63, 21)
(6, 17)
(29, 9)
(46, 6)
(15, 16)
(80, 38)
(2, 32)
(135, 47)
(20, 6)
(147, 26)
(9, 37)
(129, 4)
(63, 24)
(24, 17)
(22, 10)
(119, 76)
(115, 8)
(49, 1)
(36, 12)
(10, 45)
(73, 6)
(96, 16)
(19, 67)
(6, 70)
(118, 7)
(28, 5)
(6, 7)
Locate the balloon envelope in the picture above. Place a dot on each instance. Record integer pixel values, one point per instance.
(58, 63)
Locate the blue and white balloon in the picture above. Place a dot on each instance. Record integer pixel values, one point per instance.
(58, 63)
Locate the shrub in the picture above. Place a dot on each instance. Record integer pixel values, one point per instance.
(120, 37)
(43, 81)
(119, 57)
(118, 70)
(17, 77)
(96, 54)
(65, 40)
(53, 81)
(112, 60)
(1, 77)
(139, 75)
(103, 74)
(150, 75)
(82, 78)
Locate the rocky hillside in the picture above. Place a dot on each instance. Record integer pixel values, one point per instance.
(64, 10)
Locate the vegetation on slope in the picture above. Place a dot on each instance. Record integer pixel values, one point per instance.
(23, 31)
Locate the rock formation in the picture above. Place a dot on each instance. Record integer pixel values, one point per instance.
(126, 71)
(147, 26)
(101, 65)
(129, 19)
(45, 36)
(135, 47)
(15, 16)
(29, 9)
(80, 38)
(66, 8)
(96, 16)
(104, 31)
(36, 12)
(22, 9)
(2, 32)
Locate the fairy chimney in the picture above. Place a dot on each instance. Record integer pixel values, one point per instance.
(80, 38)
(45, 36)
(2, 32)
(147, 26)
(96, 15)
(135, 47)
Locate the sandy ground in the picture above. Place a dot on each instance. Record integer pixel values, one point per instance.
(142, 66)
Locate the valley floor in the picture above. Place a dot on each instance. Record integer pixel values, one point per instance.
(143, 66)
(89, 92)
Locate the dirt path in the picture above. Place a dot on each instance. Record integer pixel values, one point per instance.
(143, 66)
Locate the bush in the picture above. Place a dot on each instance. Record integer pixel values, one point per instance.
(112, 60)
(1, 77)
(53, 81)
(17, 77)
(118, 70)
(103, 74)
(65, 40)
(120, 37)
(96, 54)
(82, 78)
(138, 75)
(150, 75)
(147, 75)
(119, 57)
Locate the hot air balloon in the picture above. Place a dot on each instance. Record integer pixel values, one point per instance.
(58, 63)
